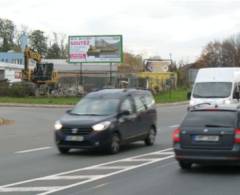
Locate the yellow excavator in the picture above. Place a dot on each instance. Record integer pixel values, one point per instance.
(43, 75)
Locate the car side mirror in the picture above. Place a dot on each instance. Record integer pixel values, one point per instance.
(236, 95)
(124, 113)
(68, 111)
(189, 95)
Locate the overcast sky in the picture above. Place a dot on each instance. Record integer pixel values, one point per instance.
(149, 27)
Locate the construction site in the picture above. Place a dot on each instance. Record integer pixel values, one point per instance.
(45, 77)
(94, 62)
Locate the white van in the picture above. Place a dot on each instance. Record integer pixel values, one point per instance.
(216, 86)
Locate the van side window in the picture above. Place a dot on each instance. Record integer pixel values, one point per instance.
(127, 106)
(139, 102)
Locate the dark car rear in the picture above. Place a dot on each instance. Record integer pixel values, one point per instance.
(208, 136)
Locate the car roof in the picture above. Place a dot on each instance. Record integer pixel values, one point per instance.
(216, 107)
(115, 93)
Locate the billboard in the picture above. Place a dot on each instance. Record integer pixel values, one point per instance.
(95, 49)
(157, 65)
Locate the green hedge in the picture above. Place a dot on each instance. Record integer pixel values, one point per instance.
(17, 90)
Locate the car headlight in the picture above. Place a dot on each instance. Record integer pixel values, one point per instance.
(227, 102)
(58, 125)
(191, 103)
(101, 126)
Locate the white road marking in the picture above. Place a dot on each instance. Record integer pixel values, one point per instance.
(165, 153)
(103, 176)
(33, 150)
(174, 126)
(113, 167)
(99, 186)
(76, 174)
(136, 160)
(72, 177)
(29, 189)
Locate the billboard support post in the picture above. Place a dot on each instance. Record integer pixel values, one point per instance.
(81, 74)
(111, 74)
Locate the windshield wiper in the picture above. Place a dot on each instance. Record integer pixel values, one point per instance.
(197, 96)
(217, 125)
(85, 114)
(198, 105)
(72, 113)
(214, 96)
(93, 114)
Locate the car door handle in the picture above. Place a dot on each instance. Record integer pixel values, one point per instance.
(139, 117)
(127, 118)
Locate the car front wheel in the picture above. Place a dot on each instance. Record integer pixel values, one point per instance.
(114, 145)
(63, 150)
(151, 137)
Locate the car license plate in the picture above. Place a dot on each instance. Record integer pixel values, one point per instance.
(74, 138)
(207, 138)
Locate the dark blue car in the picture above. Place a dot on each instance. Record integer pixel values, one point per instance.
(106, 119)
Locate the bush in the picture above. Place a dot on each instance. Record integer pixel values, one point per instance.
(4, 88)
(21, 89)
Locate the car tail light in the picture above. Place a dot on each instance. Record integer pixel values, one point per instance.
(237, 136)
(176, 136)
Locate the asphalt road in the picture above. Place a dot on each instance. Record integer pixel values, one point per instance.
(30, 163)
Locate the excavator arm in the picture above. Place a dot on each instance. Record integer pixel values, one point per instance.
(29, 54)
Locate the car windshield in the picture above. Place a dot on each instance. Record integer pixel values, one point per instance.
(96, 106)
(212, 90)
(210, 119)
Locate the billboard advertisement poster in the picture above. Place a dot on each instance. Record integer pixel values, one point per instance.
(95, 49)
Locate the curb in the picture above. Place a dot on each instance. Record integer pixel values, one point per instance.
(173, 104)
(70, 106)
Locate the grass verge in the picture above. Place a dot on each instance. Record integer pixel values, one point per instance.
(176, 95)
(41, 100)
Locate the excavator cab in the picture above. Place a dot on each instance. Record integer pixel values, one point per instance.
(42, 72)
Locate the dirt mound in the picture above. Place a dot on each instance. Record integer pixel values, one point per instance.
(5, 122)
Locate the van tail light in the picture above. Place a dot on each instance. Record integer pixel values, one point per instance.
(237, 136)
(176, 135)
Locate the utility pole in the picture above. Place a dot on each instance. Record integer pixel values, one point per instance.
(170, 55)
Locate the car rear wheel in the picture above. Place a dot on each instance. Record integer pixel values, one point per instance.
(114, 145)
(63, 150)
(151, 137)
(185, 165)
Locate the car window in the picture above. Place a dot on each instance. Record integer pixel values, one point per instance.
(139, 102)
(96, 106)
(212, 90)
(149, 101)
(238, 120)
(126, 105)
(211, 118)
(236, 89)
